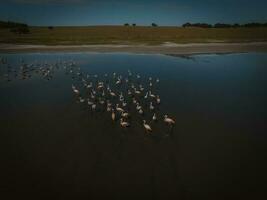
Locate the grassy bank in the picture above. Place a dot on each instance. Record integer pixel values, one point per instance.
(132, 35)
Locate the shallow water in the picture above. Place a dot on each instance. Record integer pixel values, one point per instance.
(52, 146)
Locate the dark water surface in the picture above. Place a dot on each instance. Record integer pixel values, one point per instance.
(53, 147)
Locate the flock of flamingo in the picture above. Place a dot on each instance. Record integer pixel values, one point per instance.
(26, 71)
(122, 96)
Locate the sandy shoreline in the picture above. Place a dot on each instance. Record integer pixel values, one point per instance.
(167, 48)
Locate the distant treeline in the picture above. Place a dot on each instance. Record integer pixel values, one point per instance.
(153, 24)
(222, 25)
(10, 24)
(15, 27)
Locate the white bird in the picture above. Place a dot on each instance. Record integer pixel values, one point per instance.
(151, 107)
(93, 106)
(158, 99)
(81, 100)
(141, 112)
(112, 94)
(124, 124)
(101, 101)
(113, 116)
(118, 82)
(147, 127)
(137, 91)
(125, 115)
(119, 109)
(108, 103)
(168, 120)
(146, 95)
(121, 97)
(75, 90)
(141, 88)
(138, 107)
(154, 117)
(100, 87)
(151, 95)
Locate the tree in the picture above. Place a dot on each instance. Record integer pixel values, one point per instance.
(203, 25)
(10, 24)
(50, 27)
(200, 25)
(126, 24)
(253, 25)
(154, 25)
(236, 25)
(220, 25)
(187, 25)
(133, 24)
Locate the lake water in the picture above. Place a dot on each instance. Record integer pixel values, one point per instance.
(52, 146)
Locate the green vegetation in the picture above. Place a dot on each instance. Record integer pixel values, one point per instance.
(132, 35)
(222, 25)
(10, 24)
(14, 27)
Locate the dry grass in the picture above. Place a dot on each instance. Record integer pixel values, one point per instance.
(132, 35)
